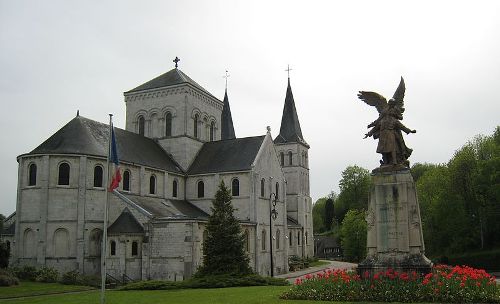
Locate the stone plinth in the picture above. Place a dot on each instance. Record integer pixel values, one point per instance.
(395, 238)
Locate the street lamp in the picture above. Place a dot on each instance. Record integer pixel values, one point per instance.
(273, 214)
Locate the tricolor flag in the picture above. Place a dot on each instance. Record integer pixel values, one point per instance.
(117, 177)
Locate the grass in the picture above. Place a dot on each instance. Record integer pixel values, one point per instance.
(240, 295)
(318, 263)
(27, 288)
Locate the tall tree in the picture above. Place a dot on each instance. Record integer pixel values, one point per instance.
(318, 213)
(329, 214)
(353, 235)
(354, 191)
(223, 251)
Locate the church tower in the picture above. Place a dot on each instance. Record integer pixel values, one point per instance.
(177, 112)
(292, 152)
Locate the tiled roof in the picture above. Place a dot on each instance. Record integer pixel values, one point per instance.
(125, 223)
(88, 137)
(226, 155)
(290, 130)
(170, 78)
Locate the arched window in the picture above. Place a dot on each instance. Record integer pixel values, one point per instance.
(29, 244)
(152, 184)
(7, 243)
(97, 176)
(262, 187)
(63, 174)
(61, 243)
(95, 241)
(32, 175)
(290, 238)
(305, 238)
(135, 248)
(282, 159)
(112, 250)
(201, 189)
(126, 180)
(277, 191)
(212, 131)
(168, 124)
(174, 188)
(205, 235)
(298, 238)
(235, 187)
(278, 239)
(246, 241)
(195, 125)
(290, 158)
(263, 240)
(141, 124)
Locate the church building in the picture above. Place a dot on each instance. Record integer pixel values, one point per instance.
(178, 144)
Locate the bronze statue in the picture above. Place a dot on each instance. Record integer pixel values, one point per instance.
(387, 128)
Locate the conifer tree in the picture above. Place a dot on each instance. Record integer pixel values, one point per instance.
(223, 251)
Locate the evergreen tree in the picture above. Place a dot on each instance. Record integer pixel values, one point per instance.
(223, 251)
(329, 214)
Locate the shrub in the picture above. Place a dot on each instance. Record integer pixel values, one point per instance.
(27, 273)
(215, 281)
(4, 255)
(444, 285)
(47, 275)
(6, 280)
(72, 277)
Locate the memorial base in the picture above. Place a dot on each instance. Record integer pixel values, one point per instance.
(395, 240)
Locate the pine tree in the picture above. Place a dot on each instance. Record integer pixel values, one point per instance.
(223, 251)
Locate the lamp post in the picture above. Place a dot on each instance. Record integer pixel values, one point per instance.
(273, 214)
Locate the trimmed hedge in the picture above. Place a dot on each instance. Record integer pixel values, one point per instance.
(7, 278)
(489, 260)
(216, 281)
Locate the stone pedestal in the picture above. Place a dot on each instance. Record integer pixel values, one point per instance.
(395, 238)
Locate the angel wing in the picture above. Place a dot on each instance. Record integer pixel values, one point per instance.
(399, 96)
(373, 99)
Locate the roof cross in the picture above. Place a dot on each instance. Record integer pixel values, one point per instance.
(226, 76)
(288, 70)
(176, 60)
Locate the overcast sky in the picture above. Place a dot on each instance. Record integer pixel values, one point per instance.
(60, 56)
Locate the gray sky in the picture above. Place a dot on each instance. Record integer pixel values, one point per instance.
(60, 56)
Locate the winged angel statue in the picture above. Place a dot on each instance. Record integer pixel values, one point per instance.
(387, 128)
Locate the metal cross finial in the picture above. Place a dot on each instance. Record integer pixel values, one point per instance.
(288, 70)
(176, 60)
(226, 76)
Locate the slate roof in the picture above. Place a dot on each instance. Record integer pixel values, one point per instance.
(9, 230)
(168, 208)
(226, 155)
(292, 223)
(125, 223)
(88, 137)
(170, 78)
(227, 128)
(290, 130)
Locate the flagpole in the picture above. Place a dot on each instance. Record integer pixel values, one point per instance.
(105, 228)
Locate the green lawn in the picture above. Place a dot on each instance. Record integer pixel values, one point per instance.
(26, 288)
(318, 263)
(237, 295)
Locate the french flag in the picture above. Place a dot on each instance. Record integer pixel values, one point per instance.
(117, 177)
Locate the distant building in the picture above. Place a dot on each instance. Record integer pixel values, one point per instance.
(177, 145)
(326, 247)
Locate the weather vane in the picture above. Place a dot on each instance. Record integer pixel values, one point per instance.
(176, 60)
(288, 70)
(226, 77)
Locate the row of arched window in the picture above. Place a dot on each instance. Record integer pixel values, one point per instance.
(235, 188)
(64, 174)
(289, 159)
(141, 124)
(134, 248)
(60, 243)
(263, 189)
(210, 128)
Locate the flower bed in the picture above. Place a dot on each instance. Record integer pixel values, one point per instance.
(459, 284)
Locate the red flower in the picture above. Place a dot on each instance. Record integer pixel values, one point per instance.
(462, 285)
(366, 274)
(376, 276)
(372, 286)
(478, 284)
(298, 281)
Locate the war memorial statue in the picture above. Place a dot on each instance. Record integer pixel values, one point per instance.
(395, 238)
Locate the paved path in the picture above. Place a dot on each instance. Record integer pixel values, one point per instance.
(291, 276)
